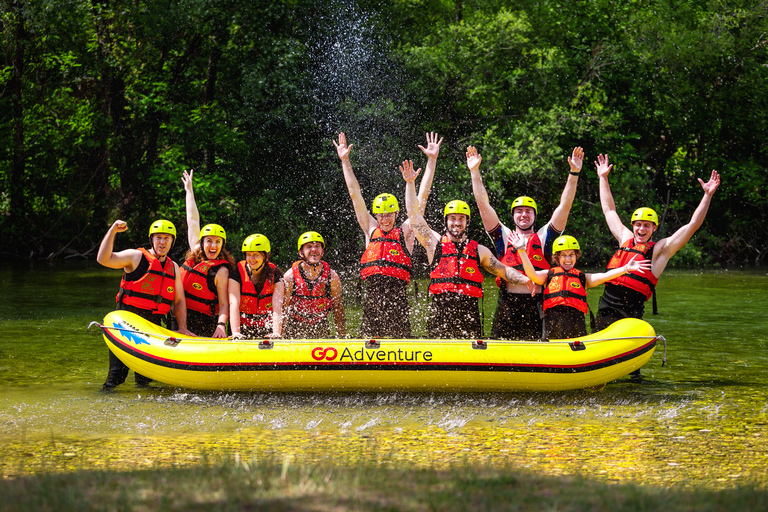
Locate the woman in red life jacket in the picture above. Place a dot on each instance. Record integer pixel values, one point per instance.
(565, 287)
(251, 288)
(151, 285)
(205, 272)
(386, 262)
(311, 291)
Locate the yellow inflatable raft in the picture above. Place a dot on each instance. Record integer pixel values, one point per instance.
(378, 365)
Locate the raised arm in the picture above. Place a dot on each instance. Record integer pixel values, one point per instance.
(560, 215)
(367, 221)
(338, 306)
(426, 236)
(193, 217)
(633, 265)
(127, 260)
(432, 150)
(618, 230)
(667, 247)
(487, 213)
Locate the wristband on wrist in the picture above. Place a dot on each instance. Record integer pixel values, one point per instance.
(573, 173)
(223, 324)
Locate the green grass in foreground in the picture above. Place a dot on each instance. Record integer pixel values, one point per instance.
(282, 486)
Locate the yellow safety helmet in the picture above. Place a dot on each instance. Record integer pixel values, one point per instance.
(213, 230)
(525, 201)
(645, 214)
(385, 203)
(162, 226)
(456, 206)
(311, 236)
(565, 243)
(256, 242)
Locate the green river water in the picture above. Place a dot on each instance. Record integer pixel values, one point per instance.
(701, 420)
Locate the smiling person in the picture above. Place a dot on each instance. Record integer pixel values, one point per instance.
(205, 272)
(151, 285)
(565, 287)
(311, 290)
(386, 262)
(251, 290)
(456, 282)
(626, 296)
(518, 312)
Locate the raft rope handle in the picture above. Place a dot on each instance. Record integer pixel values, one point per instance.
(663, 359)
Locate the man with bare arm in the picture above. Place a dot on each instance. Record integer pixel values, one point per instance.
(625, 297)
(386, 262)
(519, 312)
(456, 282)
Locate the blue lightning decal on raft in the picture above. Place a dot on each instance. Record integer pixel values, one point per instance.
(130, 335)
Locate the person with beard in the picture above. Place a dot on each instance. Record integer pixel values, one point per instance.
(386, 262)
(205, 272)
(565, 286)
(519, 305)
(456, 282)
(626, 296)
(311, 290)
(151, 286)
(251, 289)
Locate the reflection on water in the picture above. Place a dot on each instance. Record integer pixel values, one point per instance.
(700, 420)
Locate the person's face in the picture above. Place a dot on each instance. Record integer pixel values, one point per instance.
(567, 259)
(456, 224)
(386, 220)
(524, 217)
(643, 230)
(255, 259)
(312, 252)
(162, 243)
(212, 246)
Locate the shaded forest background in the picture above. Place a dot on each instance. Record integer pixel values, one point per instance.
(104, 103)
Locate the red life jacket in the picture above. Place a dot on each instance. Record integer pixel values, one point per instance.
(200, 285)
(255, 307)
(155, 290)
(566, 288)
(310, 301)
(535, 254)
(642, 281)
(386, 255)
(454, 274)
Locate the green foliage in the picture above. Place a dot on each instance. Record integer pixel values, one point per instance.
(103, 104)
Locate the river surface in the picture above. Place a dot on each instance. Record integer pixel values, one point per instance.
(699, 421)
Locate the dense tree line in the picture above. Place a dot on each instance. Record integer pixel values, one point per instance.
(104, 103)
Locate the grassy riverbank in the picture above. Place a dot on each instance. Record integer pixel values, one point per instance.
(239, 485)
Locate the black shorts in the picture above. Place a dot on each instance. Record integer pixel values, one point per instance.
(563, 322)
(201, 324)
(518, 316)
(386, 313)
(619, 302)
(294, 329)
(454, 316)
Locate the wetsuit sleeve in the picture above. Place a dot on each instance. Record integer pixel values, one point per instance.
(235, 276)
(140, 270)
(499, 236)
(547, 235)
